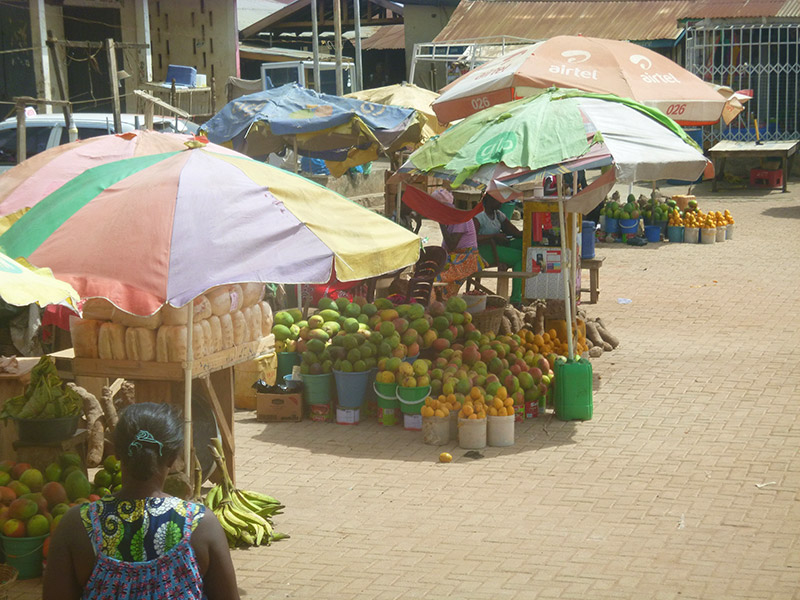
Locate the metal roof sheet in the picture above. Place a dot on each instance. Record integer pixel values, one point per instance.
(623, 20)
(388, 37)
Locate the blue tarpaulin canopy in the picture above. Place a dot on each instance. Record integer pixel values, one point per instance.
(343, 131)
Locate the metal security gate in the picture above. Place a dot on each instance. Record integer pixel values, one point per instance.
(762, 58)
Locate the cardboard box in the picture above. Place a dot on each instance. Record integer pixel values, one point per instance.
(279, 407)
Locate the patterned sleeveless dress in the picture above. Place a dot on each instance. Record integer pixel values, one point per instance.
(142, 548)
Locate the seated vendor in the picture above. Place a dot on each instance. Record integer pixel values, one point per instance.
(461, 243)
(494, 230)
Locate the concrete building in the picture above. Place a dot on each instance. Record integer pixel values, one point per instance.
(152, 33)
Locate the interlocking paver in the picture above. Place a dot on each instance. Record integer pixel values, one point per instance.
(655, 498)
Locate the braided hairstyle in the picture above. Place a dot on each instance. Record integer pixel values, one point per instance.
(148, 437)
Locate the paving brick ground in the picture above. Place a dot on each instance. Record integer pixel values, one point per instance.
(684, 485)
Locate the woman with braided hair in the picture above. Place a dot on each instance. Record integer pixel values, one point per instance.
(141, 543)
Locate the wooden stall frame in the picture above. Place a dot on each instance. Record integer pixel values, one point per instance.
(214, 373)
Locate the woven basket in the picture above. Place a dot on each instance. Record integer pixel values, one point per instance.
(491, 318)
(8, 575)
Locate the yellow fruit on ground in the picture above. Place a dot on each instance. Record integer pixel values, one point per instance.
(445, 457)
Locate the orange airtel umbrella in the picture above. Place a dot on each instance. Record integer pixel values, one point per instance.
(589, 64)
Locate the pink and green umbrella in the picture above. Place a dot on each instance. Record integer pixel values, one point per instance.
(32, 180)
(164, 228)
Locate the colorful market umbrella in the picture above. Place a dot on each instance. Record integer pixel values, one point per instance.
(406, 95)
(164, 228)
(590, 64)
(22, 284)
(554, 132)
(343, 131)
(27, 183)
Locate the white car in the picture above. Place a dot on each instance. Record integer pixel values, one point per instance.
(48, 130)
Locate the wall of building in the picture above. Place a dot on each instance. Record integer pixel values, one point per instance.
(422, 24)
(197, 33)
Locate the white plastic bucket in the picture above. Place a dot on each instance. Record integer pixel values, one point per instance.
(708, 236)
(691, 235)
(472, 434)
(729, 231)
(721, 234)
(500, 430)
(475, 302)
(435, 430)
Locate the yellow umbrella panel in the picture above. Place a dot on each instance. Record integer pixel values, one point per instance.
(22, 284)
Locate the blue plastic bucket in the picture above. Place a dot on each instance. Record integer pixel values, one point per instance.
(675, 233)
(629, 226)
(587, 240)
(652, 233)
(351, 388)
(612, 225)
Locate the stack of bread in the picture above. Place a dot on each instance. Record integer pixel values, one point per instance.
(223, 317)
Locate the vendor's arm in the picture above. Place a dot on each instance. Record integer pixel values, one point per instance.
(70, 560)
(214, 559)
(451, 239)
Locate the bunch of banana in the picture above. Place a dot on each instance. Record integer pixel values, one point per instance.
(246, 517)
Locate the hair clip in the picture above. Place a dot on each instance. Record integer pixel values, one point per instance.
(144, 436)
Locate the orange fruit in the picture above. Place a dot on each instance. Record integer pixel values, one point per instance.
(473, 416)
(468, 410)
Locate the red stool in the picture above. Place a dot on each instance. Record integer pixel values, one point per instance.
(764, 178)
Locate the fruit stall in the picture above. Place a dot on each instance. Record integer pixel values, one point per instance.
(63, 456)
(228, 325)
(431, 368)
(675, 219)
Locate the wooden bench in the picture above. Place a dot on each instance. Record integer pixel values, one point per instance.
(593, 266)
(502, 277)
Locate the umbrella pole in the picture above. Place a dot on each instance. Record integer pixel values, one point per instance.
(399, 200)
(564, 268)
(574, 264)
(187, 393)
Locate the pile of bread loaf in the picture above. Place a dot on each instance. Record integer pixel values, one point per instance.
(223, 317)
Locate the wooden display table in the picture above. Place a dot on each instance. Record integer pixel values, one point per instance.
(157, 381)
(785, 150)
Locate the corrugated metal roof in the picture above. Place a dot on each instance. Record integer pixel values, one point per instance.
(624, 20)
(388, 37)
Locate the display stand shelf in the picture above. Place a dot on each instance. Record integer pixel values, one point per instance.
(159, 382)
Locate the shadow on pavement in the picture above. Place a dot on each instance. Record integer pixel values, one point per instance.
(783, 212)
(370, 440)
